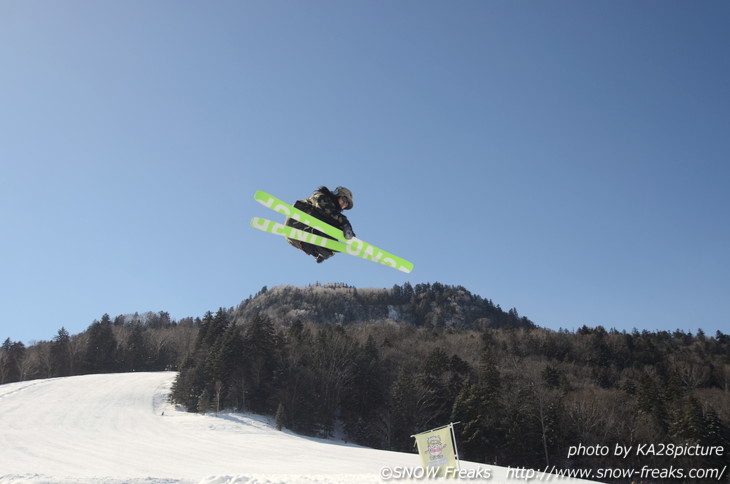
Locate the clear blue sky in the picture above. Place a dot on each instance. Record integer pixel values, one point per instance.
(570, 159)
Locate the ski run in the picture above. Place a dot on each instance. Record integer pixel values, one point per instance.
(120, 428)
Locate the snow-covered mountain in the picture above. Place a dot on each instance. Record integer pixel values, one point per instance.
(112, 429)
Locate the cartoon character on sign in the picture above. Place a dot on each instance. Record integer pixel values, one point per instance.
(435, 447)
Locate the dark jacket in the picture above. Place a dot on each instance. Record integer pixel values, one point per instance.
(323, 205)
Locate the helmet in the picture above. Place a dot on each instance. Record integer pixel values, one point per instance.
(347, 194)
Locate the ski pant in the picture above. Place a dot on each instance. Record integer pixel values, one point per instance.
(309, 249)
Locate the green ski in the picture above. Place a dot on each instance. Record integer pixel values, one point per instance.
(354, 246)
(287, 210)
(277, 228)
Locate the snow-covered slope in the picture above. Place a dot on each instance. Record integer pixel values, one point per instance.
(119, 428)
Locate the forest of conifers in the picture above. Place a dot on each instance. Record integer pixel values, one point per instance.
(374, 366)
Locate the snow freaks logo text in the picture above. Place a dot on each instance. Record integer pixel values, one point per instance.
(419, 473)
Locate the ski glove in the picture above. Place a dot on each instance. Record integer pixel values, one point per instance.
(347, 230)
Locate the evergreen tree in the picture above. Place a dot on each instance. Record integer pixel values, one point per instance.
(332, 365)
(650, 402)
(689, 425)
(203, 402)
(434, 378)
(365, 397)
(261, 363)
(136, 353)
(101, 347)
(280, 417)
(479, 408)
(11, 358)
(298, 390)
(61, 363)
(404, 407)
(212, 328)
(190, 383)
(226, 365)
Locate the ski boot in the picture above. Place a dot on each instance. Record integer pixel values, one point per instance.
(323, 254)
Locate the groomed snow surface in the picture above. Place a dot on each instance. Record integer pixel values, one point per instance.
(120, 428)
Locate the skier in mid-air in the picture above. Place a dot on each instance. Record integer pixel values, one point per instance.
(326, 205)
